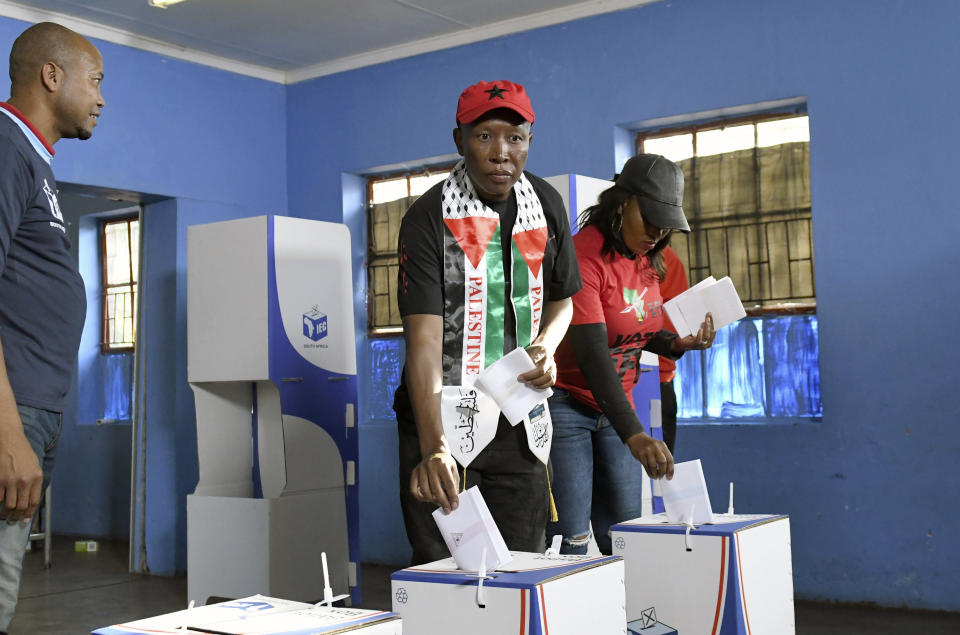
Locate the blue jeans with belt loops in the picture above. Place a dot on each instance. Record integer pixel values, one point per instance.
(42, 429)
(595, 477)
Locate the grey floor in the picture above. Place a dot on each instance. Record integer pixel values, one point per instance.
(83, 591)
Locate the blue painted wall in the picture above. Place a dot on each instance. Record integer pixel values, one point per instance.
(879, 85)
(215, 144)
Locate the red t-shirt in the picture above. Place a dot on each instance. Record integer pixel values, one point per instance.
(624, 295)
(673, 284)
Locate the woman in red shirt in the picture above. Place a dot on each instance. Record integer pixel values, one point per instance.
(599, 444)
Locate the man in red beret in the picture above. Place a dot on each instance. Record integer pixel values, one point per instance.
(486, 266)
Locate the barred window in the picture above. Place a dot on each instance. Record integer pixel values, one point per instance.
(119, 253)
(388, 198)
(747, 199)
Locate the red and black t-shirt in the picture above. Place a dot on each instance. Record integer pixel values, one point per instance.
(622, 294)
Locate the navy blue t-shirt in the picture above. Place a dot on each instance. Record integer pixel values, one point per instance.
(42, 298)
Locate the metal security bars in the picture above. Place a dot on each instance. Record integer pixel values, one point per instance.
(747, 198)
(388, 198)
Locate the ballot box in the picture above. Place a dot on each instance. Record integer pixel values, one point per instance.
(533, 594)
(731, 577)
(261, 615)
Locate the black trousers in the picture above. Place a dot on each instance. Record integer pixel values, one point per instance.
(513, 483)
(668, 414)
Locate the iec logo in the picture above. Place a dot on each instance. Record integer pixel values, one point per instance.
(315, 324)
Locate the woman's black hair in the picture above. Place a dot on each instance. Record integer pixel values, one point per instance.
(602, 216)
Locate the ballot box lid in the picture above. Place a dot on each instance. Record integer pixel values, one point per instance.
(723, 525)
(255, 614)
(523, 571)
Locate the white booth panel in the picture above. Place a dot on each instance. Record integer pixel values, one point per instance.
(227, 300)
(314, 289)
(243, 546)
(578, 192)
(225, 439)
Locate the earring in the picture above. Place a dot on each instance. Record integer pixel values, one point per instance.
(616, 223)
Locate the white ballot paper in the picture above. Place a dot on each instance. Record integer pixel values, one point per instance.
(499, 380)
(688, 310)
(469, 529)
(685, 496)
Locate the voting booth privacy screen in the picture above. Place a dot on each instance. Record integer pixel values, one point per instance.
(272, 365)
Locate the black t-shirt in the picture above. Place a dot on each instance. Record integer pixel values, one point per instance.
(42, 298)
(420, 279)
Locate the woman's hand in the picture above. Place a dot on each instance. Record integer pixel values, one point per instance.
(653, 454)
(702, 340)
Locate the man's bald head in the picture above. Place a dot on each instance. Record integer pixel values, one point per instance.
(42, 43)
(55, 77)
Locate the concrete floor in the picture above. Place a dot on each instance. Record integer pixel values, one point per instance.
(83, 591)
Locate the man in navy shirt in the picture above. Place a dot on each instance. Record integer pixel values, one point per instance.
(55, 79)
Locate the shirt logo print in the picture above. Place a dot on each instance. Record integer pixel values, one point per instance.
(635, 302)
(52, 201)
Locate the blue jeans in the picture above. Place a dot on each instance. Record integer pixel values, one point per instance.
(595, 478)
(42, 429)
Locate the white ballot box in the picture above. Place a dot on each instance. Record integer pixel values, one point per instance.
(261, 615)
(732, 577)
(533, 594)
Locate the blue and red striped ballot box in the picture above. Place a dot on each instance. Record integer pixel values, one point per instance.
(261, 615)
(731, 577)
(533, 594)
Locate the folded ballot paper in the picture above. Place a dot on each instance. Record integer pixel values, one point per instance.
(499, 380)
(685, 496)
(261, 615)
(688, 310)
(469, 530)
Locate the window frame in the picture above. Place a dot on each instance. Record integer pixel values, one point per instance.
(714, 124)
(802, 308)
(370, 258)
(105, 347)
(762, 311)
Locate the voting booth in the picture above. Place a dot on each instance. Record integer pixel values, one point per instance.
(261, 615)
(732, 577)
(272, 365)
(578, 193)
(646, 399)
(533, 594)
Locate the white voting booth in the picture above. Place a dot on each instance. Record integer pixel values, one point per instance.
(272, 365)
(578, 193)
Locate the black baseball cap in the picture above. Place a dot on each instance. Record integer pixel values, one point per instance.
(658, 183)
